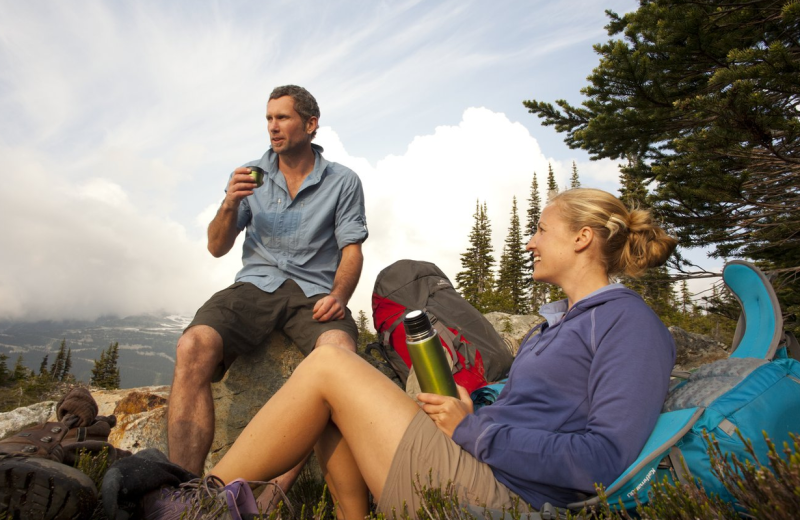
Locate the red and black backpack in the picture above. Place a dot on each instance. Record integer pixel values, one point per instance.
(480, 354)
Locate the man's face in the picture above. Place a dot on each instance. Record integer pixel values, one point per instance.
(287, 132)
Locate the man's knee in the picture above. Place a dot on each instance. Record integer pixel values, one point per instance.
(336, 338)
(198, 353)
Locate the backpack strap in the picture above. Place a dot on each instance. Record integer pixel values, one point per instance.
(453, 343)
(677, 464)
(791, 344)
(384, 337)
(382, 347)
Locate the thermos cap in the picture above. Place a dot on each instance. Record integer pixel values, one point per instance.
(417, 323)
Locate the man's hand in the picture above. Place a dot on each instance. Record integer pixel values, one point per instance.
(329, 308)
(447, 412)
(240, 185)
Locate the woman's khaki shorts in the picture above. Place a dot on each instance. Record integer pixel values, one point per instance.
(426, 450)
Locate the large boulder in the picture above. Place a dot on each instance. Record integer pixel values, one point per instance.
(248, 384)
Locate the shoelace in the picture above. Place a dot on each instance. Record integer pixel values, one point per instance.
(205, 499)
(203, 495)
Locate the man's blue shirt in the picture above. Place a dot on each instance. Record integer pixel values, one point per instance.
(300, 239)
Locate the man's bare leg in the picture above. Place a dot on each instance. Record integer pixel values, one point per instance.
(190, 415)
(337, 338)
(270, 497)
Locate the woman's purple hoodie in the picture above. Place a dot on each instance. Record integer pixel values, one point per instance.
(581, 400)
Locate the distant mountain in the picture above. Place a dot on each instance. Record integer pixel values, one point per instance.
(146, 345)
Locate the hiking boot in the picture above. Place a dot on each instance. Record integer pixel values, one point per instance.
(39, 488)
(42, 441)
(206, 498)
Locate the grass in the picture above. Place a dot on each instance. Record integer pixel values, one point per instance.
(762, 491)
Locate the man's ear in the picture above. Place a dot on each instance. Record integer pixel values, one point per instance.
(583, 238)
(312, 124)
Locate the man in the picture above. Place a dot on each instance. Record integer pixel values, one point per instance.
(301, 263)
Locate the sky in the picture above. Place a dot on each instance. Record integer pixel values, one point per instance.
(121, 122)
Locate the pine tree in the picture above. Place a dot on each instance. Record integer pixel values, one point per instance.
(113, 367)
(534, 208)
(57, 368)
(655, 285)
(43, 367)
(706, 94)
(105, 373)
(538, 290)
(514, 281)
(5, 375)
(21, 372)
(65, 374)
(552, 185)
(554, 292)
(686, 298)
(476, 281)
(365, 335)
(574, 182)
(98, 371)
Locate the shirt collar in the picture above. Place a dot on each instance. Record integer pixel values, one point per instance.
(553, 312)
(269, 163)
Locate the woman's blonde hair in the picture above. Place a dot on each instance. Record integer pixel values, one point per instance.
(630, 241)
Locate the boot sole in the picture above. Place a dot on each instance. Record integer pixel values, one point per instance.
(32, 488)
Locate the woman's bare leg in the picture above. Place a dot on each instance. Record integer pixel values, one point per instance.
(369, 410)
(342, 475)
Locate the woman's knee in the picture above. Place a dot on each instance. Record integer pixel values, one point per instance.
(329, 355)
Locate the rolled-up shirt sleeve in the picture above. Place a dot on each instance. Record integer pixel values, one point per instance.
(351, 218)
(244, 215)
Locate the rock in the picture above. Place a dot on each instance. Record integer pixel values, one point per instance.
(694, 350)
(141, 416)
(248, 384)
(25, 417)
(512, 328)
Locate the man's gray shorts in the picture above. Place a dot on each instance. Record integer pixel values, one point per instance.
(245, 316)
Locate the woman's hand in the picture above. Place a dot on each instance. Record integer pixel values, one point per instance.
(447, 412)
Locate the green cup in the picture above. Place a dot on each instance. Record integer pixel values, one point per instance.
(258, 175)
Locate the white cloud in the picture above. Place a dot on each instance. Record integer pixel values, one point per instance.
(80, 250)
(420, 205)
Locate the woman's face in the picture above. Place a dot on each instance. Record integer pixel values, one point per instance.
(552, 247)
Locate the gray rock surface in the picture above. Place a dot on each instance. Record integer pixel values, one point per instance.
(694, 350)
(512, 328)
(25, 417)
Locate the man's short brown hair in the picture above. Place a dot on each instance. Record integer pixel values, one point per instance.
(304, 102)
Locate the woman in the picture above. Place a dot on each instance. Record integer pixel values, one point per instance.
(581, 399)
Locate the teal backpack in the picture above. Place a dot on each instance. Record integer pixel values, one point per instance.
(756, 389)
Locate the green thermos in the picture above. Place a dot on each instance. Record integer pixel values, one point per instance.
(427, 355)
